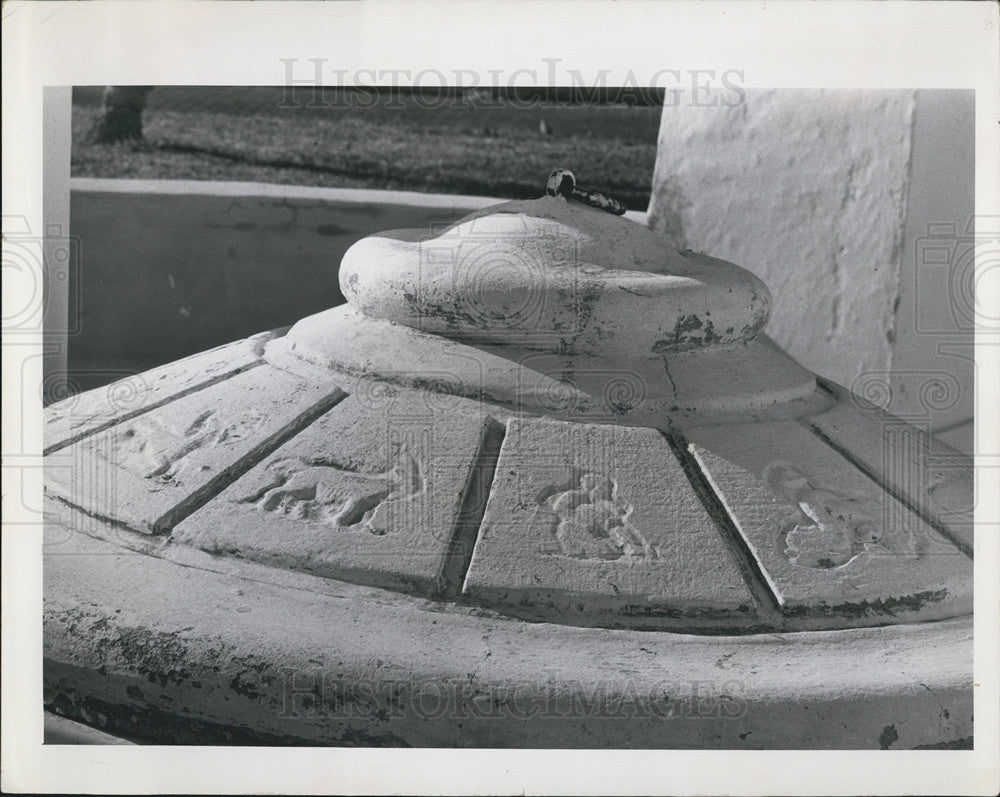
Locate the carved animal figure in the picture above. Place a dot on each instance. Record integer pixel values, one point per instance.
(830, 525)
(162, 451)
(342, 495)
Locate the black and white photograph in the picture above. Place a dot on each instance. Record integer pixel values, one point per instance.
(571, 398)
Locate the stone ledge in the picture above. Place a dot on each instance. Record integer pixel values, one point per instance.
(227, 653)
(465, 202)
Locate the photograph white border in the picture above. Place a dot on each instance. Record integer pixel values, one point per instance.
(775, 45)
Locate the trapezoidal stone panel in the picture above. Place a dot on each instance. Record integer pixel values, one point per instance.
(929, 476)
(149, 472)
(831, 542)
(599, 524)
(373, 492)
(77, 417)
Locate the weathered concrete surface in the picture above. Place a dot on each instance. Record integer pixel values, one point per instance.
(148, 472)
(834, 199)
(554, 275)
(715, 385)
(830, 542)
(807, 190)
(599, 524)
(186, 654)
(931, 477)
(372, 493)
(76, 417)
(275, 500)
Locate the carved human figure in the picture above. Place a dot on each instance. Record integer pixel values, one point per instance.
(592, 522)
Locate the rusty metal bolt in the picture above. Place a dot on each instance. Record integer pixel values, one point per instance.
(562, 182)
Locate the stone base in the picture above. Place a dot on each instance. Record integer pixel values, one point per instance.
(187, 653)
(291, 551)
(743, 382)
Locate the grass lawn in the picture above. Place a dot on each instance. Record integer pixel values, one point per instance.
(438, 145)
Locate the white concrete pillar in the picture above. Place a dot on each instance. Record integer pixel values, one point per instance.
(829, 197)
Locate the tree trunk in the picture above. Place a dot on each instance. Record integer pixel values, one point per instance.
(122, 117)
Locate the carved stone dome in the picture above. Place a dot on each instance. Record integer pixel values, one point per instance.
(541, 422)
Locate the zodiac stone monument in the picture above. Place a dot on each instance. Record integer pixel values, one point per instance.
(542, 482)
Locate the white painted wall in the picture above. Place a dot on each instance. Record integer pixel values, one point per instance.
(828, 197)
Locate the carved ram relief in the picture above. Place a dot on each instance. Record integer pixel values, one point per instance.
(340, 492)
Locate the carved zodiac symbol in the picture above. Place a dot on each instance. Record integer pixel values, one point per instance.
(161, 452)
(592, 522)
(829, 526)
(338, 493)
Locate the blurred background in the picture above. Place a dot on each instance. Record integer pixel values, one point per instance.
(488, 143)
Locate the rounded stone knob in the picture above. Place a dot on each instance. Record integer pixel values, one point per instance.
(556, 274)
